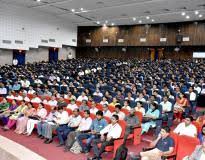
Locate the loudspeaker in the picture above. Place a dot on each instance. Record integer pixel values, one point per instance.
(179, 38)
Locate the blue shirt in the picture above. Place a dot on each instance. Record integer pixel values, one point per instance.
(16, 87)
(98, 125)
(164, 144)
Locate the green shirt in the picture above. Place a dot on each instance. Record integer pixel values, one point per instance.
(4, 106)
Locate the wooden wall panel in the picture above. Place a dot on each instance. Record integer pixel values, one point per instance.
(132, 34)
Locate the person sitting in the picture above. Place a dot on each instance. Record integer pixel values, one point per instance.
(18, 112)
(162, 146)
(84, 127)
(83, 106)
(126, 105)
(150, 116)
(64, 130)
(4, 105)
(37, 117)
(179, 107)
(114, 102)
(198, 154)
(107, 137)
(118, 112)
(106, 111)
(72, 105)
(131, 121)
(186, 127)
(97, 93)
(97, 125)
(35, 99)
(140, 98)
(82, 97)
(201, 135)
(93, 108)
(166, 107)
(104, 101)
(53, 101)
(139, 108)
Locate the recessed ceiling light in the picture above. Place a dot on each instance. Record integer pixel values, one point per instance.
(38, 0)
(140, 21)
(187, 17)
(196, 12)
(200, 15)
(81, 9)
(98, 22)
(104, 25)
(112, 24)
(134, 19)
(183, 13)
(147, 17)
(72, 10)
(106, 22)
(152, 20)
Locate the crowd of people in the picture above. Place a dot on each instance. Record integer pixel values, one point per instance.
(162, 91)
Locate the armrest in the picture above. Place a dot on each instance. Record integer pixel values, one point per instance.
(147, 149)
(169, 156)
(136, 127)
(86, 131)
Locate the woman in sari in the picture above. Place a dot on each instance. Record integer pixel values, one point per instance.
(4, 116)
(18, 112)
(22, 121)
(179, 107)
(39, 116)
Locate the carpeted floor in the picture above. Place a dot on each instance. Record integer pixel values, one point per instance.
(51, 152)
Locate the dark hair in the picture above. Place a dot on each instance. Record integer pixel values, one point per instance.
(100, 113)
(60, 108)
(118, 106)
(87, 111)
(202, 130)
(190, 117)
(116, 117)
(166, 128)
(155, 105)
(77, 109)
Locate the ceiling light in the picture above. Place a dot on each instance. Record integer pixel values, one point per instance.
(134, 19)
(196, 12)
(72, 10)
(140, 21)
(200, 15)
(183, 13)
(106, 22)
(112, 24)
(104, 25)
(38, 0)
(152, 20)
(98, 22)
(147, 17)
(81, 9)
(187, 17)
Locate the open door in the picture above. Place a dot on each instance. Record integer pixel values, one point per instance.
(53, 55)
(19, 57)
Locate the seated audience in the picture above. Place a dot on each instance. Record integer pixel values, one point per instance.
(97, 125)
(83, 106)
(72, 105)
(107, 137)
(84, 127)
(118, 112)
(106, 111)
(126, 105)
(93, 108)
(201, 135)
(186, 127)
(162, 146)
(139, 108)
(65, 129)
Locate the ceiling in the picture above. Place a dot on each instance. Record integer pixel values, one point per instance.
(118, 12)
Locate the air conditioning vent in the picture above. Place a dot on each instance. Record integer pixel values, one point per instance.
(52, 40)
(44, 41)
(6, 41)
(73, 40)
(18, 42)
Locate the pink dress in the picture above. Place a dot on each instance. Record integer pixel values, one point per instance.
(22, 121)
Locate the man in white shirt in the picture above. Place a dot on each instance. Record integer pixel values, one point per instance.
(192, 99)
(186, 128)
(82, 97)
(72, 105)
(31, 91)
(25, 83)
(64, 130)
(93, 108)
(84, 127)
(53, 101)
(120, 114)
(35, 99)
(98, 93)
(3, 90)
(166, 107)
(106, 111)
(107, 137)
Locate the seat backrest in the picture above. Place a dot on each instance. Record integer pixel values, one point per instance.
(139, 115)
(122, 123)
(175, 138)
(70, 112)
(125, 111)
(186, 145)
